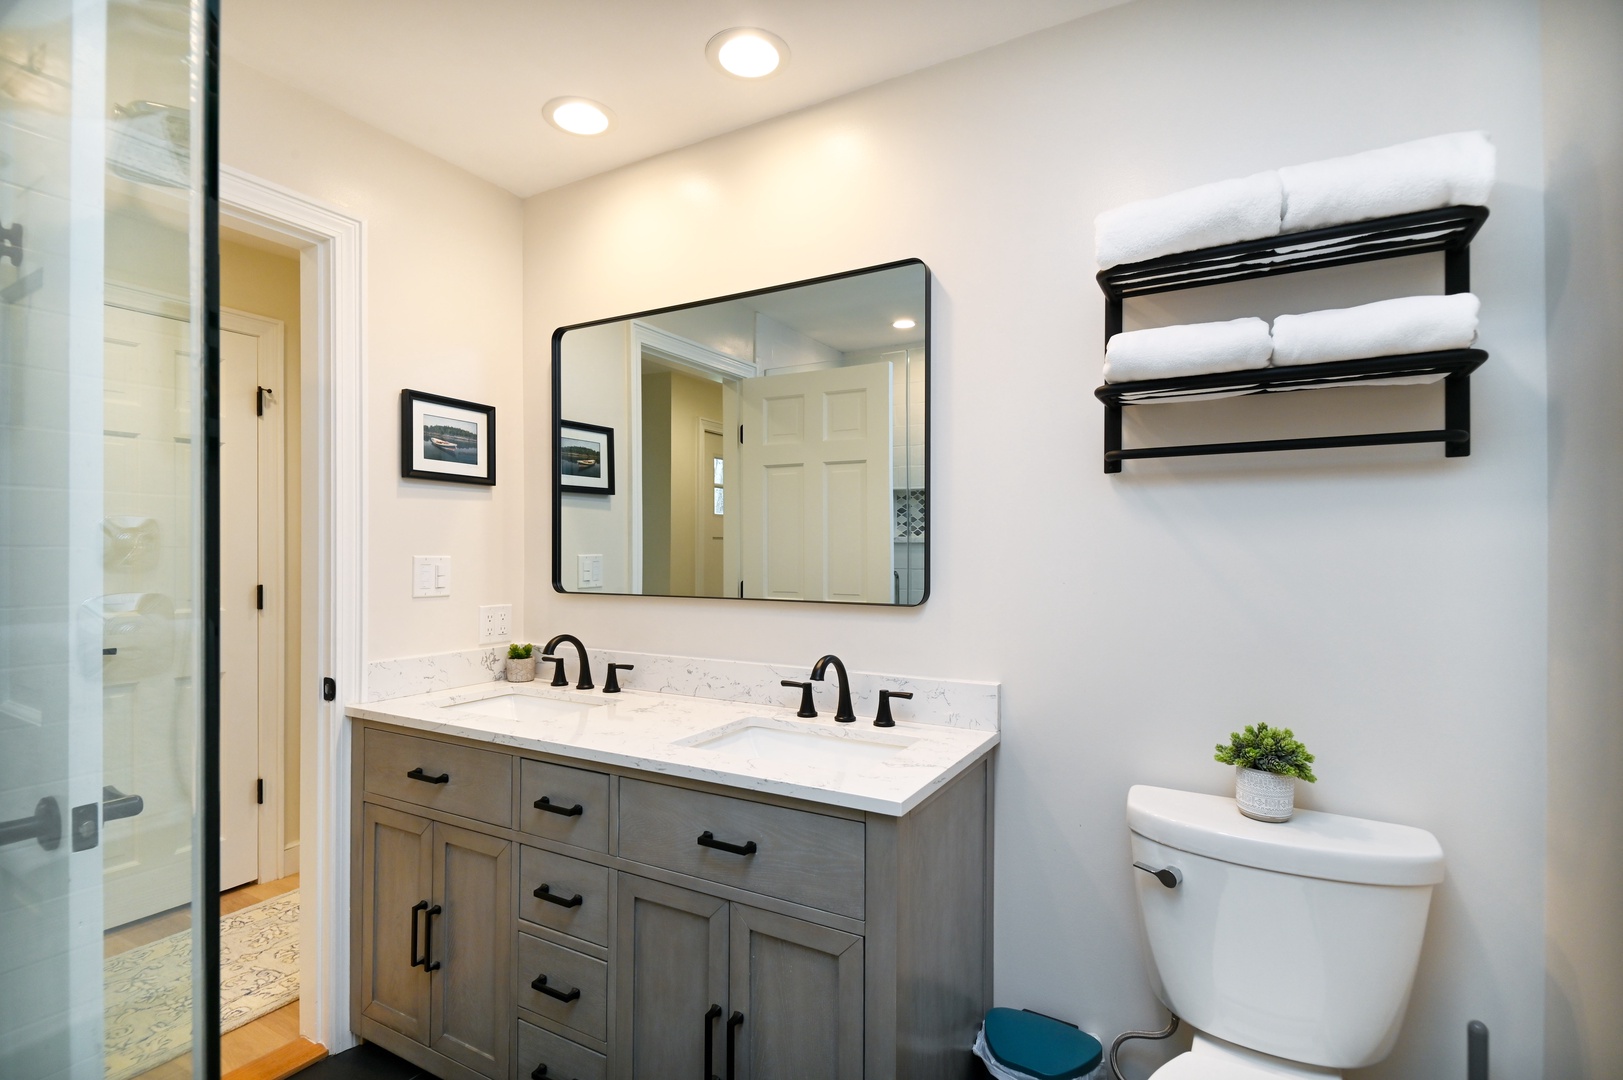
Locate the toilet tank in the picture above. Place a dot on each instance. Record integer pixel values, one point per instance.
(1297, 939)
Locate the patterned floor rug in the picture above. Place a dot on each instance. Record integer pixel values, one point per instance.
(149, 988)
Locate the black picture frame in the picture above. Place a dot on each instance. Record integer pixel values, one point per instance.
(464, 430)
(596, 478)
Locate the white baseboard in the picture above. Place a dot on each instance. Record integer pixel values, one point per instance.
(290, 859)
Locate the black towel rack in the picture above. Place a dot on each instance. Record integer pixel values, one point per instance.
(1449, 230)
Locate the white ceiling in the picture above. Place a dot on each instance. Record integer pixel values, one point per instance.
(466, 79)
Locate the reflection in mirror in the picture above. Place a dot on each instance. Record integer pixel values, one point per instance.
(766, 446)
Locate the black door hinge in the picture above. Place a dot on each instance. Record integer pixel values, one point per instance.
(261, 597)
(260, 797)
(329, 690)
(740, 434)
(260, 394)
(741, 590)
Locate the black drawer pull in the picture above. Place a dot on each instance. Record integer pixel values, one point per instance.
(540, 983)
(544, 892)
(428, 938)
(417, 961)
(540, 1073)
(419, 774)
(544, 803)
(710, 1018)
(734, 1022)
(708, 839)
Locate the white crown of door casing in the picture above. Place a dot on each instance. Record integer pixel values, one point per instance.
(332, 288)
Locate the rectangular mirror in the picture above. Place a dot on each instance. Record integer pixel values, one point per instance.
(772, 445)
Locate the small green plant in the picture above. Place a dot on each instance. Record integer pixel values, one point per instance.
(1275, 750)
(522, 652)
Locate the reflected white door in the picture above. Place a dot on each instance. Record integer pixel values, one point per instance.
(710, 510)
(239, 609)
(816, 465)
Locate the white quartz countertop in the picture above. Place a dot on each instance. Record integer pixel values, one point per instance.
(760, 748)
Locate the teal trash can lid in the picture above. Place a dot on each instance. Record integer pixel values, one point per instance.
(1040, 1046)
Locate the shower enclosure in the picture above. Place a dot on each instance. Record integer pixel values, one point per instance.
(108, 328)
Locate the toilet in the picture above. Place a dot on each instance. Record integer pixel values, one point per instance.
(1290, 948)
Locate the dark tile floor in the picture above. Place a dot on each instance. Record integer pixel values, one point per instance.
(364, 1062)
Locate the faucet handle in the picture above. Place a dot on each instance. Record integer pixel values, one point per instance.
(882, 717)
(558, 678)
(611, 685)
(807, 708)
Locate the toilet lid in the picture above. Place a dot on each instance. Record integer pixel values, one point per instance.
(1193, 1066)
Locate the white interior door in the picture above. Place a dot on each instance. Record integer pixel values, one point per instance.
(239, 609)
(710, 511)
(816, 465)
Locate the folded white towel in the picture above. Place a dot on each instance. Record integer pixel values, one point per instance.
(1409, 324)
(1444, 170)
(1222, 213)
(1193, 349)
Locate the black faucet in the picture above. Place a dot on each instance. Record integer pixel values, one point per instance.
(882, 718)
(585, 682)
(842, 712)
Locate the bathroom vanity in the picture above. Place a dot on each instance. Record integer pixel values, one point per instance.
(650, 886)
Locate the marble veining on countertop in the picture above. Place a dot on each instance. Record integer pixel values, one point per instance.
(656, 733)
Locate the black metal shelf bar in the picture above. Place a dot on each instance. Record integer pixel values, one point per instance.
(1448, 229)
(1336, 373)
(1451, 436)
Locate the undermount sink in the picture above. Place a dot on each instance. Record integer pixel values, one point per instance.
(513, 706)
(801, 744)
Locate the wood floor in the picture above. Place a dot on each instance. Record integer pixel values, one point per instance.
(272, 1041)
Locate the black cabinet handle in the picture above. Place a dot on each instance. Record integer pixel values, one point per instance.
(708, 839)
(544, 892)
(540, 983)
(544, 803)
(540, 1073)
(734, 1022)
(418, 774)
(428, 938)
(417, 961)
(709, 1041)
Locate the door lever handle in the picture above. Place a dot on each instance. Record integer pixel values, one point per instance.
(1170, 876)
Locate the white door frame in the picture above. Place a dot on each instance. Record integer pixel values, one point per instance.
(332, 297)
(272, 572)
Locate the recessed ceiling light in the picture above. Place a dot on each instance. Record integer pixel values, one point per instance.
(748, 52)
(904, 324)
(577, 115)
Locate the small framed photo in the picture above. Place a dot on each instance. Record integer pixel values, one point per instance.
(585, 459)
(442, 438)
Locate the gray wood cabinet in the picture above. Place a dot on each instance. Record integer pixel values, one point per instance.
(629, 922)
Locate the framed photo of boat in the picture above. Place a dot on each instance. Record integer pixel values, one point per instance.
(443, 438)
(585, 459)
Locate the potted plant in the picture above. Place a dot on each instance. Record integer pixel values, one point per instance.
(1268, 761)
(520, 664)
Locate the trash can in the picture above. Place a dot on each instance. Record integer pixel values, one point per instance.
(1018, 1044)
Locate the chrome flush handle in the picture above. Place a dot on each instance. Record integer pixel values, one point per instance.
(1170, 876)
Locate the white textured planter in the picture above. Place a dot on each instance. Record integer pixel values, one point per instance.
(1265, 796)
(521, 670)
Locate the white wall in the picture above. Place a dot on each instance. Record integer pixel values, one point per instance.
(1386, 603)
(1583, 118)
(444, 274)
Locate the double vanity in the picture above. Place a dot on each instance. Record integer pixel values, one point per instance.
(574, 885)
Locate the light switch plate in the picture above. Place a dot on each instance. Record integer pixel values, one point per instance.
(590, 574)
(430, 575)
(495, 623)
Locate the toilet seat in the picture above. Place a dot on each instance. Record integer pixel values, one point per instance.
(1192, 1066)
(1213, 1059)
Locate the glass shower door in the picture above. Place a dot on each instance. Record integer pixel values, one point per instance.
(102, 513)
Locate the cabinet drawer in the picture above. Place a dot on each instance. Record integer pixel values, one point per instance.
(582, 979)
(564, 1060)
(478, 784)
(579, 891)
(799, 856)
(564, 790)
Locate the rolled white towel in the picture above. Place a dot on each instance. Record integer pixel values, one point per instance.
(1444, 170)
(1167, 352)
(1409, 324)
(1222, 213)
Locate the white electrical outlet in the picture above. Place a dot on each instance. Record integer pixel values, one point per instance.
(590, 573)
(430, 575)
(495, 623)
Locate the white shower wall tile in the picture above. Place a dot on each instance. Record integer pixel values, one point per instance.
(968, 705)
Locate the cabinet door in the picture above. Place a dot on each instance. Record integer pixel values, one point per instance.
(472, 941)
(799, 988)
(396, 889)
(670, 980)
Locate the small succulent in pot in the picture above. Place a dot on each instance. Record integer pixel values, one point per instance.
(520, 663)
(1268, 761)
